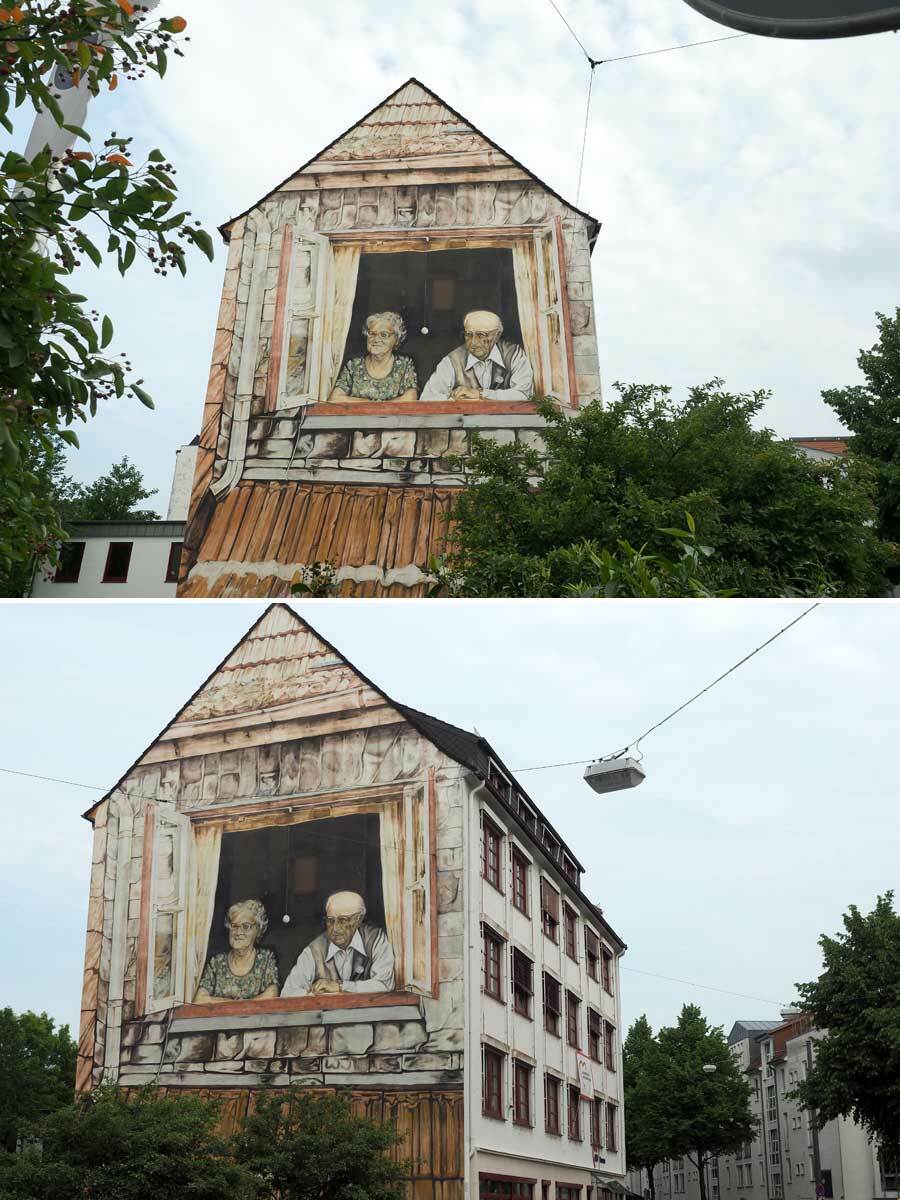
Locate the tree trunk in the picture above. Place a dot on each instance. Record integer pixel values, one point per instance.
(652, 1182)
(700, 1172)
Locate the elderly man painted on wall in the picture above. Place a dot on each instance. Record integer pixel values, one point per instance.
(487, 367)
(350, 956)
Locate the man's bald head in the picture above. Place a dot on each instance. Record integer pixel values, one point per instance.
(344, 913)
(482, 330)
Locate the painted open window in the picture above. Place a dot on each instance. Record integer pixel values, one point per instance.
(297, 906)
(328, 286)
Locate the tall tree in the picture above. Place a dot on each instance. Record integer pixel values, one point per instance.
(708, 1111)
(304, 1147)
(645, 1112)
(857, 1002)
(37, 1070)
(776, 522)
(112, 1146)
(56, 210)
(871, 411)
(112, 497)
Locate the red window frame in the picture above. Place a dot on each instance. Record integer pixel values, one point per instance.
(572, 1006)
(591, 953)
(491, 840)
(552, 1004)
(550, 911)
(505, 1187)
(522, 983)
(107, 576)
(595, 1034)
(611, 1110)
(520, 882)
(491, 960)
(551, 1104)
(606, 969)
(571, 927)
(596, 1123)
(521, 1093)
(492, 1083)
(609, 1046)
(573, 1113)
(69, 567)
(174, 562)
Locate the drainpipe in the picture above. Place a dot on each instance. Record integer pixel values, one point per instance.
(471, 921)
(778, 1127)
(123, 810)
(762, 1125)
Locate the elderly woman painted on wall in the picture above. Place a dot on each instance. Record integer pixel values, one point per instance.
(247, 971)
(380, 374)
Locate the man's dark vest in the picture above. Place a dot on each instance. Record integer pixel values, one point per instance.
(361, 966)
(500, 376)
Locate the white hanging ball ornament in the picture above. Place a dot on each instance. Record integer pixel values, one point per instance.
(286, 920)
(425, 329)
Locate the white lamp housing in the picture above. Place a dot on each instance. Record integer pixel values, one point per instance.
(614, 775)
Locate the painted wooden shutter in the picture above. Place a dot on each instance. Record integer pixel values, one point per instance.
(307, 291)
(418, 890)
(552, 327)
(167, 941)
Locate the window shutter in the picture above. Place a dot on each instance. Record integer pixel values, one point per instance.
(549, 900)
(167, 949)
(553, 331)
(301, 360)
(418, 888)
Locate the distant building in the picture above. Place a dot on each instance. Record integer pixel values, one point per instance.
(480, 1006)
(822, 449)
(788, 1158)
(112, 559)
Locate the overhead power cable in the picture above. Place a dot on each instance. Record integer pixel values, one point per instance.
(706, 987)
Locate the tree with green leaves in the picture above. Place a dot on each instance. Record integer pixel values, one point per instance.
(37, 1070)
(114, 1146)
(302, 1146)
(115, 496)
(708, 1111)
(771, 522)
(871, 411)
(645, 1113)
(855, 1002)
(56, 210)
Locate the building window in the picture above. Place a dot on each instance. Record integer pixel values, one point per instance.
(521, 1093)
(572, 1007)
(551, 845)
(491, 1187)
(118, 558)
(889, 1165)
(550, 911)
(611, 1112)
(499, 782)
(551, 1104)
(492, 1083)
(519, 882)
(606, 970)
(174, 562)
(491, 838)
(523, 983)
(529, 819)
(571, 932)
(492, 953)
(569, 869)
(567, 1191)
(68, 568)
(573, 1114)
(595, 1034)
(551, 1005)
(591, 952)
(596, 1123)
(609, 1045)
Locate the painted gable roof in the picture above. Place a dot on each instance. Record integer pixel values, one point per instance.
(411, 123)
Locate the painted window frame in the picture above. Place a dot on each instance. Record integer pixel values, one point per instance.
(552, 1086)
(552, 1016)
(107, 577)
(69, 572)
(521, 987)
(416, 804)
(573, 1005)
(523, 1075)
(573, 1113)
(519, 875)
(491, 955)
(491, 853)
(550, 902)
(492, 1058)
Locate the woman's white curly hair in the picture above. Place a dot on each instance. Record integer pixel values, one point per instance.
(399, 325)
(256, 910)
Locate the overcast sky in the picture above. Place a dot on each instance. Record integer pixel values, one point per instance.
(770, 805)
(749, 190)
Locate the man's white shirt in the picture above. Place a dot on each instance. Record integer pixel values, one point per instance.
(381, 970)
(521, 380)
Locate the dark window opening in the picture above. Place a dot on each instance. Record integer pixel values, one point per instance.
(174, 562)
(551, 1104)
(492, 1084)
(118, 559)
(551, 1005)
(523, 986)
(434, 291)
(520, 883)
(71, 555)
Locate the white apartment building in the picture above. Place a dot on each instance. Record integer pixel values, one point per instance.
(545, 1020)
(115, 559)
(788, 1159)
